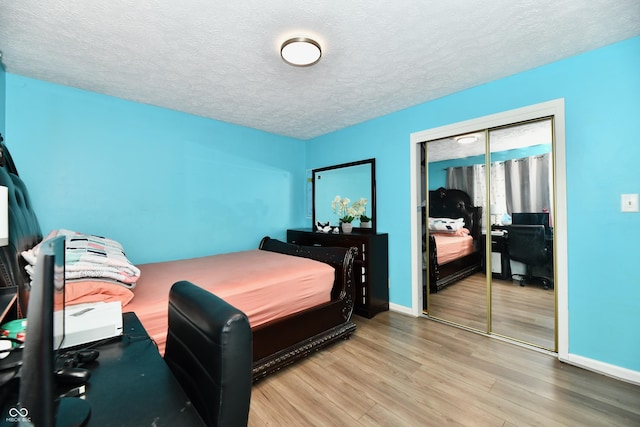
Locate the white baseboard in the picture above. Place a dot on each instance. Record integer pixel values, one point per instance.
(607, 369)
(401, 309)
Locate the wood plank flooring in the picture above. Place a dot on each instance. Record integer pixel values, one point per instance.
(398, 370)
(525, 313)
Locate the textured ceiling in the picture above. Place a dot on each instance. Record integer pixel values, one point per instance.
(502, 139)
(221, 59)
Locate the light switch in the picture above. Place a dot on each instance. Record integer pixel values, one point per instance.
(629, 202)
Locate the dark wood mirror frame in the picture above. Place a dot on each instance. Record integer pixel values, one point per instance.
(371, 199)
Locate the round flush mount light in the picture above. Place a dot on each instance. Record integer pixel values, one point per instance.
(467, 139)
(301, 51)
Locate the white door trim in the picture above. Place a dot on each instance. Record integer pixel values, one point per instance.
(545, 109)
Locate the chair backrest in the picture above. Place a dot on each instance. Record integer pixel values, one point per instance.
(209, 351)
(527, 244)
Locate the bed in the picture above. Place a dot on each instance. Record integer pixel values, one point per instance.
(277, 342)
(450, 253)
(313, 322)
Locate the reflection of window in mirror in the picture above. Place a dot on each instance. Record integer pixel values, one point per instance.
(309, 194)
(520, 168)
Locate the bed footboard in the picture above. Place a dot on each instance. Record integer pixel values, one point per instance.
(283, 341)
(341, 259)
(446, 274)
(434, 271)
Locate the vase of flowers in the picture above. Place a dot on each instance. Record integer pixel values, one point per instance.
(346, 212)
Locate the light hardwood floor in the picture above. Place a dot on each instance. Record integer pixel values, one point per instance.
(522, 312)
(398, 370)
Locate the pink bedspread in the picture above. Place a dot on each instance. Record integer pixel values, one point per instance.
(451, 247)
(264, 285)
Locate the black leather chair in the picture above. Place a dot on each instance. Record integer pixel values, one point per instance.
(209, 351)
(528, 245)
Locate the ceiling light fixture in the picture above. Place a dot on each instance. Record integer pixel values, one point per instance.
(301, 51)
(467, 139)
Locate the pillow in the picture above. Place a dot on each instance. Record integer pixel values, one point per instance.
(89, 256)
(83, 291)
(445, 224)
(32, 254)
(461, 232)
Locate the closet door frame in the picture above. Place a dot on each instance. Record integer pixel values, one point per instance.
(553, 108)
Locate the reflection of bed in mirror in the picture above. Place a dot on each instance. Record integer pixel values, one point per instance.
(453, 253)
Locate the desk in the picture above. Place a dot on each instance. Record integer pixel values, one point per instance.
(130, 384)
(503, 267)
(500, 265)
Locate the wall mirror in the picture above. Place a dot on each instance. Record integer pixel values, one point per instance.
(354, 180)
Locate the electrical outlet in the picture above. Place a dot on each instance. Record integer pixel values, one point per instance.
(629, 202)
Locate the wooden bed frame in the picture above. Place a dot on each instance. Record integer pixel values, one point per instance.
(275, 344)
(281, 342)
(448, 203)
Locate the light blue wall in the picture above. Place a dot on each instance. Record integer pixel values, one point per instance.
(2, 99)
(602, 106)
(166, 184)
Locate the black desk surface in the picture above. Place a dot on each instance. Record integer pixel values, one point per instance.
(131, 385)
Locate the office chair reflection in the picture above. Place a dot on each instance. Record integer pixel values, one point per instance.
(528, 244)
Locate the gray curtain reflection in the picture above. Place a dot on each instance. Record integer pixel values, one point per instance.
(527, 183)
(528, 186)
(470, 179)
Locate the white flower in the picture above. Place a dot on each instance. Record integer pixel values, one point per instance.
(348, 213)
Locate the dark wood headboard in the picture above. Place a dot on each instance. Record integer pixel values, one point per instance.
(24, 229)
(449, 203)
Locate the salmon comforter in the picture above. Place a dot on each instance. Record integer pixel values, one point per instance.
(264, 285)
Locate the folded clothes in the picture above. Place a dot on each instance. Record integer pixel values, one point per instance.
(89, 256)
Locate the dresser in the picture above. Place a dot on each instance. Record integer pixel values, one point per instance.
(371, 267)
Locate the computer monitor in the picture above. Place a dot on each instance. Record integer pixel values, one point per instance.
(38, 404)
(531, 218)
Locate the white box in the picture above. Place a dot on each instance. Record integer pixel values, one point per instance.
(518, 268)
(86, 323)
(496, 262)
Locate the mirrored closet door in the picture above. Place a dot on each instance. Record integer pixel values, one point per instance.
(488, 235)
(457, 285)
